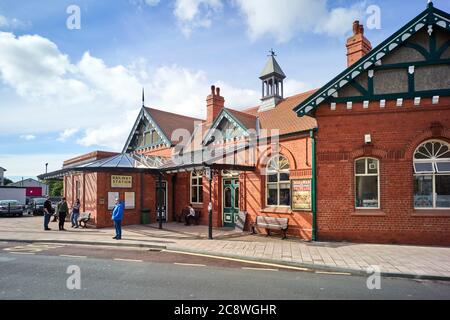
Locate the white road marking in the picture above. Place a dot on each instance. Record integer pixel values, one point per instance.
(32, 248)
(24, 253)
(190, 264)
(260, 269)
(334, 273)
(239, 260)
(128, 260)
(70, 256)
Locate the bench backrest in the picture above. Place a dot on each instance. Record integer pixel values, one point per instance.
(283, 222)
(85, 215)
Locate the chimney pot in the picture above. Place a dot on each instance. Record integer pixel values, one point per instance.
(215, 104)
(355, 27)
(357, 45)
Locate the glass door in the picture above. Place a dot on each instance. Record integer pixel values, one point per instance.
(230, 202)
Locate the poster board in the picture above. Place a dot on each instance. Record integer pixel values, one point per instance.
(130, 200)
(112, 196)
(301, 194)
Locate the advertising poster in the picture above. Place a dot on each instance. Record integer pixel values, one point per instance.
(301, 194)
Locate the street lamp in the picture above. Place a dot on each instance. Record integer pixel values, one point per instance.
(209, 176)
(46, 166)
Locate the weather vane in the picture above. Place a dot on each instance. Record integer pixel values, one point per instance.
(272, 53)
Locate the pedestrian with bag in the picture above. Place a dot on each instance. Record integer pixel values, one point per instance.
(63, 209)
(75, 214)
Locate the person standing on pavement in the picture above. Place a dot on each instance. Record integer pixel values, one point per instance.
(48, 211)
(63, 208)
(75, 214)
(117, 217)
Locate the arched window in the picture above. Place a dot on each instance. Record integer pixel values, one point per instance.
(432, 175)
(197, 187)
(367, 181)
(278, 183)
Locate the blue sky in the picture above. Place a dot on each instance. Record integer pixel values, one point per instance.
(67, 92)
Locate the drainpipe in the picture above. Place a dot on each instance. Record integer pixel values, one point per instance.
(313, 185)
(158, 198)
(174, 181)
(210, 207)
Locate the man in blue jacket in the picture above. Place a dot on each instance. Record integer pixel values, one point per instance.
(117, 217)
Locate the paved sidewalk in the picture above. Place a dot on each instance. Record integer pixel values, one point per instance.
(393, 260)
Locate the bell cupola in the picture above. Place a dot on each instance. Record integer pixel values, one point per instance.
(272, 78)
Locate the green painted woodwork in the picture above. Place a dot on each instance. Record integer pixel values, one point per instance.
(428, 20)
(230, 202)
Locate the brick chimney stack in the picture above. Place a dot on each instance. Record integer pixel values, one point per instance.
(357, 45)
(215, 104)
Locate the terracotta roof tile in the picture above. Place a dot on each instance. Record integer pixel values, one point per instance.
(283, 118)
(169, 122)
(248, 120)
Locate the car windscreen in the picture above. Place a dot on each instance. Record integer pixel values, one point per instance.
(39, 201)
(12, 202)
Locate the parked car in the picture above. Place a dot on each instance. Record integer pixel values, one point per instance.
(11, 207)
(55, 201)
(37, 206)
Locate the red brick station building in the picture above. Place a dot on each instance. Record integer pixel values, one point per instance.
(365, 158)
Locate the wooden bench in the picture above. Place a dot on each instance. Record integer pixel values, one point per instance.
(270, 223)
(84, 218)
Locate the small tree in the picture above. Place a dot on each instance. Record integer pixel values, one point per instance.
(55, 188)
(7, 181)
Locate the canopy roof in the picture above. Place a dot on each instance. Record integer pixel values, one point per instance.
(120, 162)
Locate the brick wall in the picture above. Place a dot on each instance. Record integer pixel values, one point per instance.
(396, 133)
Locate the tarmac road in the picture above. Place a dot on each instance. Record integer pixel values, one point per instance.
(40, 271)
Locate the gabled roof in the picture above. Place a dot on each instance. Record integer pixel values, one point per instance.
(428, 18)
(18, 183)
(169, 122)
(235, 117)
(272, 68)
(164, 122)
(247, 120)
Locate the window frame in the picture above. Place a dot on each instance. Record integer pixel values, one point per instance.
(434, 161)
(367, 174)
(278, 183)
(196, 176)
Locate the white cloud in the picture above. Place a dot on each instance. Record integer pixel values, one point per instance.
(97, 102)
(283, 19)
(193, 14)
(13, 23)
(28, 137)
(66, 134)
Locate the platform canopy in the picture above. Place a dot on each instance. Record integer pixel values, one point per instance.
(121, 162)
(235, 158)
